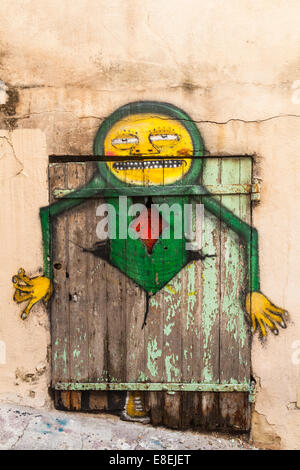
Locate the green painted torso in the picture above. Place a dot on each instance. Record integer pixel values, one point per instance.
(150, 271)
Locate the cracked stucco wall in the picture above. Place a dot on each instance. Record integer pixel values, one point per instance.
(233, 66)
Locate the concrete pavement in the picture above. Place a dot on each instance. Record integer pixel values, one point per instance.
(27, 428)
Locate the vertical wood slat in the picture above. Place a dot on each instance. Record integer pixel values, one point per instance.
(78, 270)
(96, 293)
(235, 347)
(60, 300)
(116, 299)
(208, 403)
(172, 350)
(135, 305)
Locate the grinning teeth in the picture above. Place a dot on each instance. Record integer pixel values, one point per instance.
(151, 164)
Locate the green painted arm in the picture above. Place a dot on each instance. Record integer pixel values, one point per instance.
(245, 231)
(73, 199)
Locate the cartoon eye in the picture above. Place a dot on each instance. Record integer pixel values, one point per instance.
(133, 140)
(163, 137)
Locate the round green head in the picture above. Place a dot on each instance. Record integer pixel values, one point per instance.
(158, 139)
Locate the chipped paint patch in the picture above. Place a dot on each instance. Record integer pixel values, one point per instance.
(170, 362)
(153, 302)
(191, 299)
(168, 328)
(174, 287)
(142, 377)
(207, 374)
(153, 354)
(170, 289)
(76, 353)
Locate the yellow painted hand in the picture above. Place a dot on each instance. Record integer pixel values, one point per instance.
(32, 289)
(263, 312)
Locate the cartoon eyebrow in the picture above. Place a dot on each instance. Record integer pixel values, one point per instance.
(158, 137)
(125, 140)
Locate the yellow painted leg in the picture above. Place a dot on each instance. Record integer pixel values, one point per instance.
(135, 408)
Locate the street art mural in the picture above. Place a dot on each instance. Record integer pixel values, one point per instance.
(162, 149)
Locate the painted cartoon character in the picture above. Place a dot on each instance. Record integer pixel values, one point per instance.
(155, 140)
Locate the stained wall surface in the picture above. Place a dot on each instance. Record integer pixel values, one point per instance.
(233, 66)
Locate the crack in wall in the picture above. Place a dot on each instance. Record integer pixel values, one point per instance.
(200, 121)
(14, 156)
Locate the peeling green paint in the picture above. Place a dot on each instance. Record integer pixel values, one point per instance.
(170, 367)
(210, 303)
(154, 302)
(176, 387)
(64, 356)
(168, 328)
(142, 377)
(173, 304)
(76, 353)
(169, 288)
(207, 374)
(191, 299)
(153, 354)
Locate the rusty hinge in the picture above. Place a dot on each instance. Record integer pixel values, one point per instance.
(255, 191)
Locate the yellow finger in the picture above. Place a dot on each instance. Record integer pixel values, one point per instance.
(262, 327)
(23, 277)
(21, 287)
(19, 297)
(253, 323)
(277, 318)
(25, 312)
(276, 309)
(270, 324)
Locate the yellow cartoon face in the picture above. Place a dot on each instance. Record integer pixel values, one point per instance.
(149, 141)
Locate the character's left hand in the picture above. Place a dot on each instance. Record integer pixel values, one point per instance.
(263, 312)
(32, 289)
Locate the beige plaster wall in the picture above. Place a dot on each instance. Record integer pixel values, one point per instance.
(233, 66)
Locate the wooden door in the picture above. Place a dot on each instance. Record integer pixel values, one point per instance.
(193, 356)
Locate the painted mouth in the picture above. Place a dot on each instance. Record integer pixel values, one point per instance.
(151, 164)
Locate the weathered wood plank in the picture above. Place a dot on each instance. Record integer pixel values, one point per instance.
(172, 410)
(234, 350)
(60, 337)
(234, 347)
(234, 411)
(154, 403)
(116, 324)
(207, 403)
(173, 318)
(154, 339)
(77, 265)
(98, 401)
(96, 293)
(135, 306)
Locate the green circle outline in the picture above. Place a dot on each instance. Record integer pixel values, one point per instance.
(152, 107)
